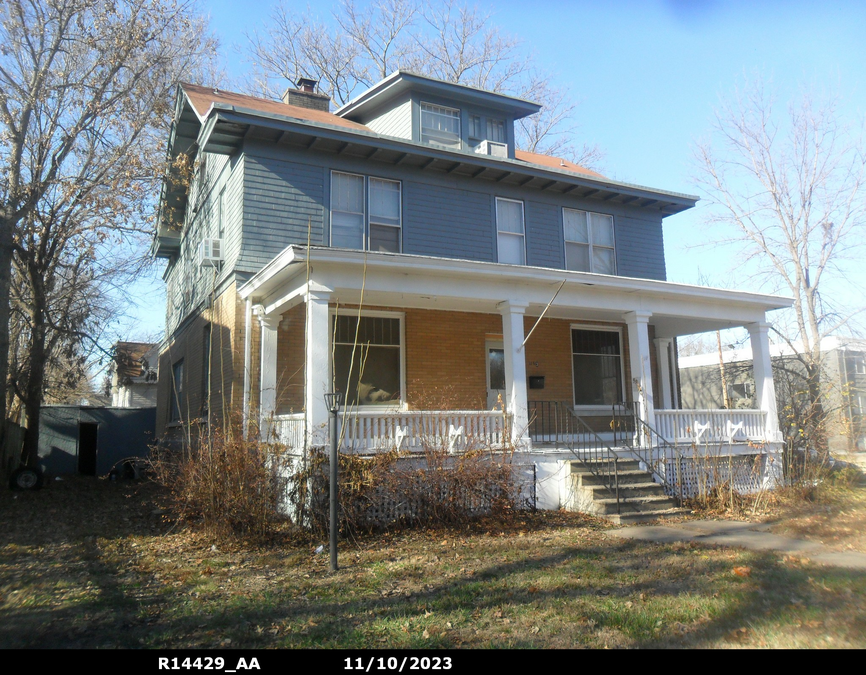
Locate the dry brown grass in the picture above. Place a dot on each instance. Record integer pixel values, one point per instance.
(91, 563)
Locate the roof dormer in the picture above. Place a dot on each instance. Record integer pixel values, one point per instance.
(441, 114)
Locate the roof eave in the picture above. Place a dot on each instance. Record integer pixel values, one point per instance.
(379, 92)
(671, 202)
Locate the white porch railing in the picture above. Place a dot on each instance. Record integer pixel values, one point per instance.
(412, 430)
(711, 425)
(289, 430)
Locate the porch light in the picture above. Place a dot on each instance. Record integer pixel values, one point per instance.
(334, 400)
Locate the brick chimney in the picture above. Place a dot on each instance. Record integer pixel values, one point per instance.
(305, 96)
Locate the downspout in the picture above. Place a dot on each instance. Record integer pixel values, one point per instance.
(248, 361)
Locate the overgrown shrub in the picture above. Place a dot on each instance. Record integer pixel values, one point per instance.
(228, 484)
(390, 489)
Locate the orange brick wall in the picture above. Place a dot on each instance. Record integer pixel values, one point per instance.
(444, 357)
(226, 319)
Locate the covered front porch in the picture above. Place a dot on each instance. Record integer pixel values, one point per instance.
(468, 354)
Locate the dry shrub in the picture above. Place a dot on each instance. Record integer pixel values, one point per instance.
(224, 482)
(391, 489)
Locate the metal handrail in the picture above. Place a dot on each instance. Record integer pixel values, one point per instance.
(558, 419)
(647, 455)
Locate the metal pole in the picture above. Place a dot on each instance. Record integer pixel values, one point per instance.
(333, 523)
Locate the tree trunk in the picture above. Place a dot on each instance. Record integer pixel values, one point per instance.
(5, 280)
(35, 368)
(816, 418)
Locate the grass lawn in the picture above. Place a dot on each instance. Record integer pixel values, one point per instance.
(91, 563)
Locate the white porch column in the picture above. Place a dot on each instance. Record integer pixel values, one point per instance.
(318, 381)
(663, 350)
(268, 379)
(765, 389)
(639, 359)
(515, 371)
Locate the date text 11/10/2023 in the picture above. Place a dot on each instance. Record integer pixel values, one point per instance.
(393, 663)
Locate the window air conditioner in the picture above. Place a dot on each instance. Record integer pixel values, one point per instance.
(492, 148)
(210, 252)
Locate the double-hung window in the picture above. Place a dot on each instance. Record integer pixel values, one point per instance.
(440, 126)
(510, 235)
(495, 130)
(367, 359)
(365, 218)
(589, 242)
(384, 215)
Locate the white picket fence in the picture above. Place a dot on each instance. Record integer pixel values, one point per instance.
(412, 430)
(711, 426)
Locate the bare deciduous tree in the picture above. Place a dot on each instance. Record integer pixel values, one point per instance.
(452, 42)
(85, 97)
(792, 191)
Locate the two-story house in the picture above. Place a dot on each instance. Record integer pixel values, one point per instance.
(402, 250)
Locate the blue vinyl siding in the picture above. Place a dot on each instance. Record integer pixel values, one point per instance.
(640, 249)
(544, 247)
(281, 200)
(447, 222)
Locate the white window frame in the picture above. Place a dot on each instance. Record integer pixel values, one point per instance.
(429, 141)
(370, 221)
(601, 409)
(589, 243)
(332, 313)
(331, 209)
(860, 364)
(366, 215)
(511, 234)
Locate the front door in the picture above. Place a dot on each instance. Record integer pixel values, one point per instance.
(495, 375)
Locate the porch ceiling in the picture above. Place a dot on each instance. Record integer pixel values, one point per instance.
(399, 280)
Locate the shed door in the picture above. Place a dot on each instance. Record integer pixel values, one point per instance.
(87, 435)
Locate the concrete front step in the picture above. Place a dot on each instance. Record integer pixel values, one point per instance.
(632, 490)
(640, 497)
(608, 506)
(604, 466)
(631, 477)
(646, 516)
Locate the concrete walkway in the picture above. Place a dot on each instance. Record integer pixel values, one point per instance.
(754, 536)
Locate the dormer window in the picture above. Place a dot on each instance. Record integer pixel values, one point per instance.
(475, 129)
(495, 130)
(440, 126)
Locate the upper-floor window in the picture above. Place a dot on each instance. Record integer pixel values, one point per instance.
(510, 235)
(221, 214)
(384, 215)
(440, 126)
(475, 128)
(495, 130)
(350, 225)
(589, 242)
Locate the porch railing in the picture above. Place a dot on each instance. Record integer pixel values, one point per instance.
(711, 425)
(289, 430)
(412, 430)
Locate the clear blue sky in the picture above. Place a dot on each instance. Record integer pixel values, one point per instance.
(648, 76)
